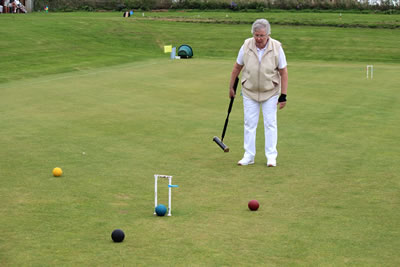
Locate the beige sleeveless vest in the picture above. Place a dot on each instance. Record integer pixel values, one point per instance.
(261, 80)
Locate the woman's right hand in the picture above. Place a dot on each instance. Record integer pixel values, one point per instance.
(231, 93)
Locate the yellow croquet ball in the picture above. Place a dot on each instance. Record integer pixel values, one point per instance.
(57, 172)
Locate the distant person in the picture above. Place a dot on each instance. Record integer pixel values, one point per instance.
(20, 7)
(6, 4)
(264, 85)
(13, 6)
(16, 6)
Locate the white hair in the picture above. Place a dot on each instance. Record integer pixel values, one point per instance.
(261, 24)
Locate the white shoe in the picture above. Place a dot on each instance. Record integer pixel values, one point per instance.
(271, 164)
(245, 161)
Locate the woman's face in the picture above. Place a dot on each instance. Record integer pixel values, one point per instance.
(261, 38)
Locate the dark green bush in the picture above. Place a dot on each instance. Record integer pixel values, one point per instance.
(385, 6)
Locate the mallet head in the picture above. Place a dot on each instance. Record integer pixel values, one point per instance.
(221, 145)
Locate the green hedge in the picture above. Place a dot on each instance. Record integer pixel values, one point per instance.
(240, 5)
(92, 5)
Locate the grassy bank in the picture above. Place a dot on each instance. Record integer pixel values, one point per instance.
(42, 44)
(279, 17)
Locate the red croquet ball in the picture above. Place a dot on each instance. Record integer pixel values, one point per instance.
(253, 205)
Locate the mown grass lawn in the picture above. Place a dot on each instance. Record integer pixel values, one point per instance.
(332, 200)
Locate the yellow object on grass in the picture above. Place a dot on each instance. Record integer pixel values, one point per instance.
(57, 172)
(167, 48)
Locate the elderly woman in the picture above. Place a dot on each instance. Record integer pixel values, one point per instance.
(264, 84)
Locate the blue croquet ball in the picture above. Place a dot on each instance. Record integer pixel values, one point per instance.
(161, 210)
(118, 235)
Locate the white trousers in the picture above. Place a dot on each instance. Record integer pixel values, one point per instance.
(251, 115)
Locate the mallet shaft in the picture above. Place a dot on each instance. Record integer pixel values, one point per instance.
(229, 110)
(216, 139)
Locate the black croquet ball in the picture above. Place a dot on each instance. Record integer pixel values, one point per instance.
(118, 235)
